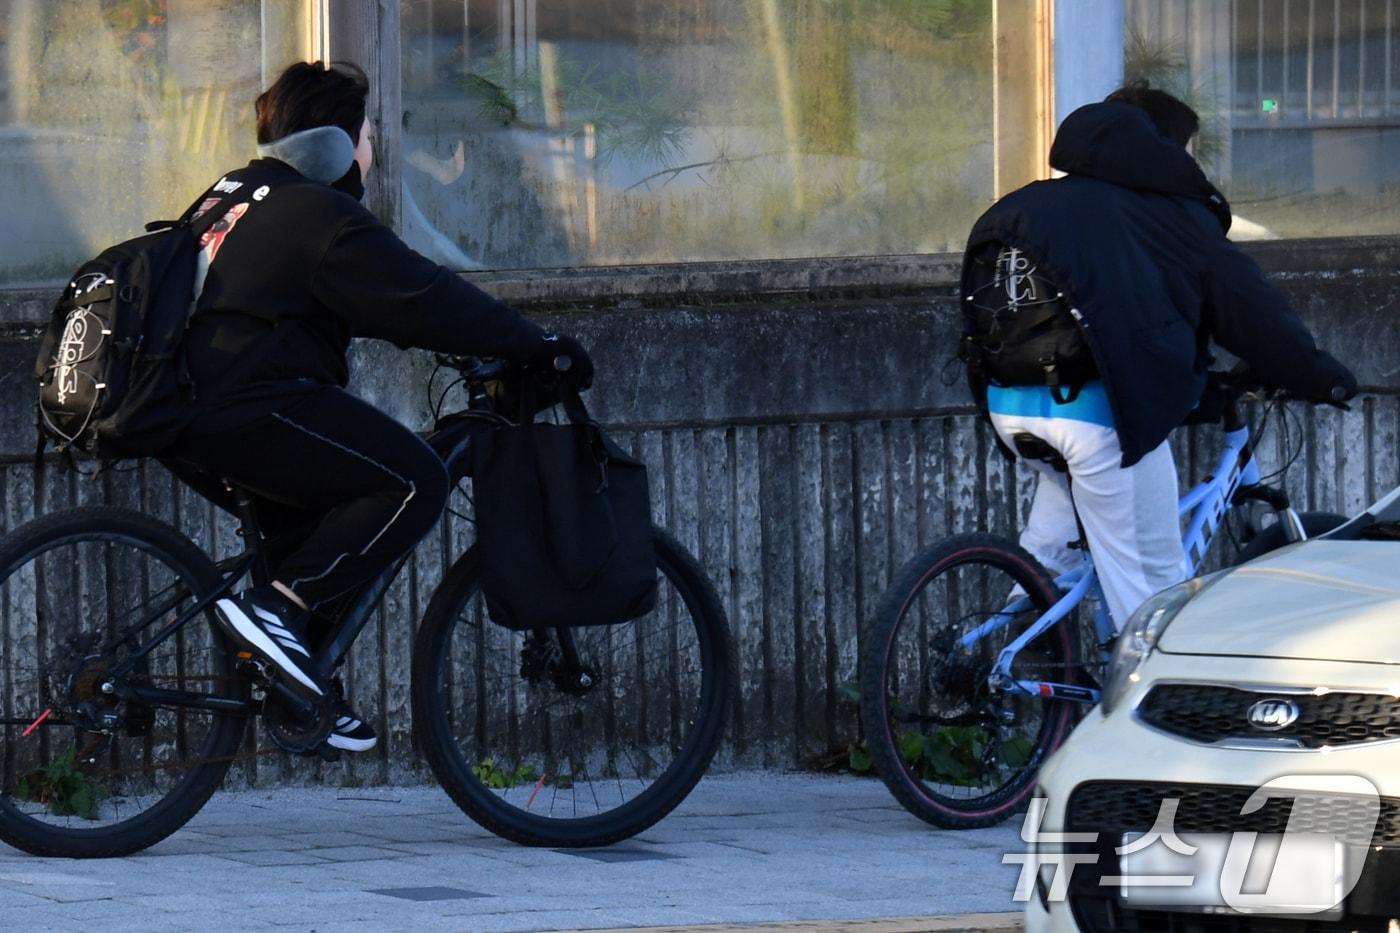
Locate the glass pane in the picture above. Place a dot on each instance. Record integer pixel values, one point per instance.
(619, 131)
(116, 112)
(1299, 103)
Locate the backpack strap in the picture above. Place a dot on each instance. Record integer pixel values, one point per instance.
(197, 229)
(1050, 365)
(40, 445)
(574, 408)
(103, 292)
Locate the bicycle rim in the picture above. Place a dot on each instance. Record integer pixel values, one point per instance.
(82, 771)
(957, 752)
(549, 764)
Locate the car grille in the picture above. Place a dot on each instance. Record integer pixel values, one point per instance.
(1111, 808)
(1209, 713)
(1116, 807)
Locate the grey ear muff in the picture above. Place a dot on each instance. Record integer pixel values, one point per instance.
(322, 153)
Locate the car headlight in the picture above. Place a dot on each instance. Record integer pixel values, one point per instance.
(1139, 639)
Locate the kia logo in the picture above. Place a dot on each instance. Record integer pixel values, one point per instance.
(1273, 715)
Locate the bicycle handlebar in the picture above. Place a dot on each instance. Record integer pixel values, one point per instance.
(1238, 382)
(477, 370)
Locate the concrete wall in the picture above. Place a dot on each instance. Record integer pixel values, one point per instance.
(807, 430)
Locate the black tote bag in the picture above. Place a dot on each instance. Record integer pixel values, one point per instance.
(563, 521)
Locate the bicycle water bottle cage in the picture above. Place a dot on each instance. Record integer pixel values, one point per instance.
(1033, 448)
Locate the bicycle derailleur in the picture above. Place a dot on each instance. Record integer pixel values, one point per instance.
(959, 676)
(93, 697)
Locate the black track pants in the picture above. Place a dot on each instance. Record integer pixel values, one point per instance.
(343, 487)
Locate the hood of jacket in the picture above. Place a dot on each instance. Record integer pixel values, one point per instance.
(1118, 143)
(325, 154)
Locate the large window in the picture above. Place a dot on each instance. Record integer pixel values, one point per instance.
(1301, 100)
(580, 132)
(116, 112)
(540, 133)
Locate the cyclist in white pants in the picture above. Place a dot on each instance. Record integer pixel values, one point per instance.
(1129, 514)
(1090, 303)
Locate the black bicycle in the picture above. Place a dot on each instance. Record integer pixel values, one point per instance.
(122, 705)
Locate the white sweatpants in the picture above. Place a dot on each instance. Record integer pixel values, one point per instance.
(1129, 515)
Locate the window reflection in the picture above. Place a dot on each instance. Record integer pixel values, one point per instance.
(115, 112)
(597, 132)
(1300, 101)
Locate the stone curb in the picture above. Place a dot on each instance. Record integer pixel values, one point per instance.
(963, 923)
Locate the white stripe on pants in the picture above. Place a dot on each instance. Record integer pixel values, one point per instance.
(1129, 515)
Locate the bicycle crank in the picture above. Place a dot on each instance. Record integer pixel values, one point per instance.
(295, 724)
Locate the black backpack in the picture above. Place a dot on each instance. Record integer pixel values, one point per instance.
(563, 523)
(1019, 328)
(113, 380)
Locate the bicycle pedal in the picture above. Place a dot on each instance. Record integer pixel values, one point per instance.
(328, 753)
(254, 668)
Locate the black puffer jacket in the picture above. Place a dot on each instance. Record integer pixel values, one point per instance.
(1135, 235)
(299, 274)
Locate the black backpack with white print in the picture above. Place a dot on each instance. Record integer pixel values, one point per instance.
(113, 380)
(1019, 326)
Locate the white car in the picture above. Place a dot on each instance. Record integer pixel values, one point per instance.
(1243, 770)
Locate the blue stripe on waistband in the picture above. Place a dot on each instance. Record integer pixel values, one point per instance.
(1090, 405)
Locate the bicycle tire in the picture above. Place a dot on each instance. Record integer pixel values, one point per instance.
(469, 791)
(1272, 538)
(25, 547)
(879, 672)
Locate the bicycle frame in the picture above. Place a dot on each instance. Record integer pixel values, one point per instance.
(452, 443)
(1235, 479)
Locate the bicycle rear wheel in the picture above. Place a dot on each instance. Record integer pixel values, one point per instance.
(85, 772)
(954, 751)
(544, 758)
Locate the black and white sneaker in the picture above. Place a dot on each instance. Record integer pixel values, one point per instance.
(272, 626)
(351, 733)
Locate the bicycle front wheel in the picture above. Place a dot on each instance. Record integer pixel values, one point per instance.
(953, 750)
(86, 770)
(541, 756)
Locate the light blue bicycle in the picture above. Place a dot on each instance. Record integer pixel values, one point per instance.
(977, 662)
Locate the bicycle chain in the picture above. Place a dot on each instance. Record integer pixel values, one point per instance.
(93, 742)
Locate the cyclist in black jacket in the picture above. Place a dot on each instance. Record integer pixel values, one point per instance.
(287, 278)
(1133, 239)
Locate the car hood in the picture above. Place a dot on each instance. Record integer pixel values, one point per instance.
(1320, 600)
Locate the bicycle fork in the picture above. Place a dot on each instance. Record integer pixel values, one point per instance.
(1276, 499)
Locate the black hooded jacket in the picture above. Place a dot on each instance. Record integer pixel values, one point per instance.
(303, 270)
(1135, 236)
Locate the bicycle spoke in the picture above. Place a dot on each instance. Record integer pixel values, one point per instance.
(112, 767)
(548, 744)
(949, 737)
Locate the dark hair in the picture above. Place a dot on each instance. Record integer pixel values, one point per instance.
(1173, 119)
(309, 94)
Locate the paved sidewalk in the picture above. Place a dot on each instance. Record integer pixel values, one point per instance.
(743, 849)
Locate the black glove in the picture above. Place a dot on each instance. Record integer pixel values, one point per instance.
(1343, 390)
(564, 355)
